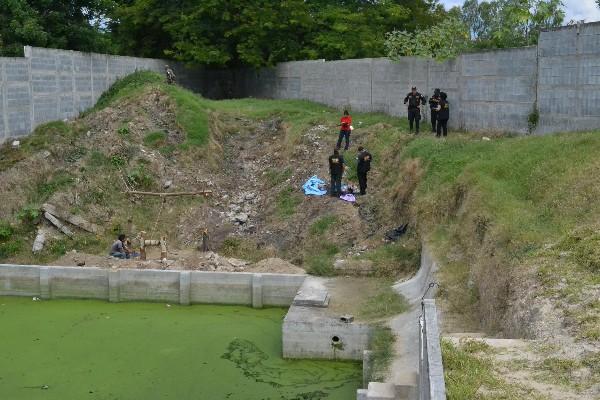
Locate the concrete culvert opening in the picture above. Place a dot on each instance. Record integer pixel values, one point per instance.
(335, 340)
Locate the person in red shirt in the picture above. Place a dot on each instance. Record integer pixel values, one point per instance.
(345, 130)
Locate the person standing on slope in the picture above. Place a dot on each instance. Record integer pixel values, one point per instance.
(414, 100)
(362, 168)
(345, 130)
(336, 170)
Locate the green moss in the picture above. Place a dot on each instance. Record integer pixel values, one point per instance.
(237, 357)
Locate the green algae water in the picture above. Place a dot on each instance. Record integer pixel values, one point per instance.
(80, 349)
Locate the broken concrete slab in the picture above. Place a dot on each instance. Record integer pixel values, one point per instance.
(59, 225)
(75, 220)
(313, 293)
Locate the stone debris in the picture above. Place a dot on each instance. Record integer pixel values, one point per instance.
(39, 242)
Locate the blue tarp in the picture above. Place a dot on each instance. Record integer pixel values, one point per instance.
(312, 187)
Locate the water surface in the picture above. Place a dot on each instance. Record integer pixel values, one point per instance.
(80, 349)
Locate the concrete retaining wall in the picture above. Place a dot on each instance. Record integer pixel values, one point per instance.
(489, 91)
(309, 332)
(431, 370)
(183, 287)
(51, 84)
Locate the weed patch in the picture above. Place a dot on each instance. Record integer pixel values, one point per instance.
(287, 200)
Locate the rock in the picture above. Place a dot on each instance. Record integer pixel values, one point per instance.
(241, 218)
(46, 154)
(16, 144)
(168, 184)
(250, 196)
(38, 243)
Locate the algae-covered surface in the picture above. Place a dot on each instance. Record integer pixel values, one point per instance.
(79, 349)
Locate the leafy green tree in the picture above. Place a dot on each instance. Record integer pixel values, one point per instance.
(442, 41)
(510, 23)
(264, 32)
(74, 24)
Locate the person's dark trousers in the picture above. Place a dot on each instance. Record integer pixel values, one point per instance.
(362, 182)
(414, 116)
(442, 128)
(433, 121)
(346, 135)
(336, 185)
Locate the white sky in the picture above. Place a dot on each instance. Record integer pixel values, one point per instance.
(574, 9)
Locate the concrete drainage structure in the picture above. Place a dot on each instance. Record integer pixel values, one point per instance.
(310, 330)
(417, 372)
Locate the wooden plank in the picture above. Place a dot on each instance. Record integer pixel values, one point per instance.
(59, 225)
(72, 219)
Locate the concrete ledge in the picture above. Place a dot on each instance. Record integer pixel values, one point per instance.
(184, 287)
(414, 288)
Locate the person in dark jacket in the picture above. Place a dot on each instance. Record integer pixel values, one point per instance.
(362, 168)
(336, 169)
(443, 115)
(414, 100)
(434, 101)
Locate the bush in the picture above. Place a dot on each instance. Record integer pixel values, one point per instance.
(140, 178)
(6, 231)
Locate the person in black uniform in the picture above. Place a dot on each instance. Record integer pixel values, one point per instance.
(362, 168)
(433, 104)
(336, 169)
(443, 115)
(414, 100)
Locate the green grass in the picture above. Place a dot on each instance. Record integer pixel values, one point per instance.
(394, 259)
(155, 139)
(322, 225)
(469, 374)
(385, 302)
(277, 176)
(320, 260)
(244, 249)
(97, 350)
(381, 346)
(286, 202)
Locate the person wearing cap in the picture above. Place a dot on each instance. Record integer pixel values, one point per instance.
(345, 130)
(433, 104)
(362, 168)
(336, 170)
(414, 100)
(170, 75)
(443, 115)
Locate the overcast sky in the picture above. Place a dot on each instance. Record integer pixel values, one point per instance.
(575, 9)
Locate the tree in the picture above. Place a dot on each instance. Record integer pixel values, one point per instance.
(442, 41)
(74, 24)
(510, 23)
(264, 32)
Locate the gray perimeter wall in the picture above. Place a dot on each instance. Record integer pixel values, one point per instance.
(491, 91)
(184, 287)
(50, 84)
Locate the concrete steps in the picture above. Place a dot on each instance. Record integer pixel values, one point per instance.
(387, 391)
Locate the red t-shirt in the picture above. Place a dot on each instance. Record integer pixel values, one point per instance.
(346, 122)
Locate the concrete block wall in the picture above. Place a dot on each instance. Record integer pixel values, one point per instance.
(492, 91)
(51, 84)
(184, 287)
(569, 78)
